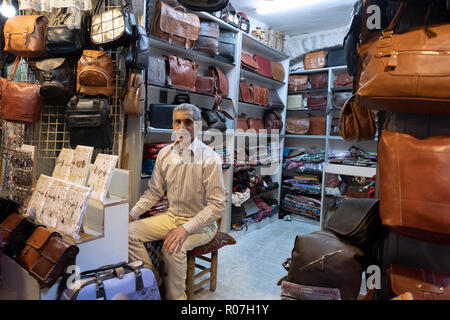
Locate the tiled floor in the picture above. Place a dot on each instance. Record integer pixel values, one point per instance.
(251, 269)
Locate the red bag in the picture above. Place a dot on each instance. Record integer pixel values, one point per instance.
(265, 67)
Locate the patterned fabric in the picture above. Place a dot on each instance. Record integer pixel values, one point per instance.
(221, 239)
(46, 5)
(154, 251)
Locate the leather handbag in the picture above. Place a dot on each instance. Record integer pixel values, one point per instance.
(356, 121)
(297, 125)
(248, 62)
(399, 71)
(275, 100)
(245, 94)
(95, 73)
(315, 60)
(414, 199)
(111, 28)
(336, 57)
(260, 95)
(53, 260)
(182, 73)
(34, 246)
(7, 207)
(18, 237)
(6, 58)
(339, 99)
(175, 25)
(208, 39)
(213, 119)
(295, 102)
(20, 101)
(161, 114)
(297, 82)
(318, 80)
(278, 72)
(57, 80)
(134, 95)
(221, 80)
(321, 259)
(156, 72)
(242, 123)
(255, 124)
(227, 44)
(25, 36)
(89, 122)
(264, 66)
(316, 101)
(423, 284)
(62, 40)
(137, 53)
(273, 121)
(8, 225)
(206, 85)
(318, 125)
(358, 222)
(343, 80)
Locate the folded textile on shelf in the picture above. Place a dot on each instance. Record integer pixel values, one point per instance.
(301, 205)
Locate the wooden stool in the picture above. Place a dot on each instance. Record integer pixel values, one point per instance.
(221, 239)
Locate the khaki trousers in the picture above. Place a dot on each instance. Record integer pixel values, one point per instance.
(155, 228)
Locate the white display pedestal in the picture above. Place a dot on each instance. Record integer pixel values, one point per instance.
(103, 240)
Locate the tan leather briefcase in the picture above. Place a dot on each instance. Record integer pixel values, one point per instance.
(315, 60)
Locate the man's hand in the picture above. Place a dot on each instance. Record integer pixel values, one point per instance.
(174, 239)
(130, 218)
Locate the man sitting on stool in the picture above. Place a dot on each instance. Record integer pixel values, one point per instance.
(191, 172)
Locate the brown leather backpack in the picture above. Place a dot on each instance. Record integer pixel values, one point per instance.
(95, 73)
(134, 96)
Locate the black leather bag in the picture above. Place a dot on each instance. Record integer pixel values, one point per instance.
(161, 114)
(19, 237)
(137, 53)
(358, 222)
(61, 40)
(57, 80)
(89, 123)
(336, 57)
(7, 207)
(213, 119)
(6, 58)
(321, 259)
(275, 100)
(227, 43)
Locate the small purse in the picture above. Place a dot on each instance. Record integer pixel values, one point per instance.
(137, 53)
(134, 96)
(297, 125)
(112, 28)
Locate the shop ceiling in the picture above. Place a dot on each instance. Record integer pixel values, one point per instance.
(297, 17)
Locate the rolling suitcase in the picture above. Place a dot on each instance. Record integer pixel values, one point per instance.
(122, 281)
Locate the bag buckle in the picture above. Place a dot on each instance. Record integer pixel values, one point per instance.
(386, 39)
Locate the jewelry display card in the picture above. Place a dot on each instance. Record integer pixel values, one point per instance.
(72, 212)
(54, 202)
(63, 164)
(79, 170)
(101, 174)
(39, 195)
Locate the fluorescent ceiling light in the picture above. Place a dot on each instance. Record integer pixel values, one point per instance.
(7, 9)
(285, 5)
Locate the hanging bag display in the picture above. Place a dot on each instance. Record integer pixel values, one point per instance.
(89, 123)
(356, 121)
(62, 39)
(111, 28)
(134, 95)
(20, 101)
(407, 72)
(175, 25)
(25, 36)
(57, 80)
(95, 73)
(414, 197)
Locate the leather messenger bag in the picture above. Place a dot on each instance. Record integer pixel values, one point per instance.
(175, 25)
(315, 60)
(182, 73)
(407, 72)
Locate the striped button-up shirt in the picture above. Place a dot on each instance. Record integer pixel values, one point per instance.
(194, 184)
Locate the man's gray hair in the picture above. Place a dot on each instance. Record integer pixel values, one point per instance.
(189, 107)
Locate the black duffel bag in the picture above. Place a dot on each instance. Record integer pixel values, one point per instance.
(89, 122)
(336, 57)
(161, 114)
(321, 259)
(136, 54)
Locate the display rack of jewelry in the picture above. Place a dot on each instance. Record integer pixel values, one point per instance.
(19, 181)
(54, 201)
(36, 204)
(73, 209)
(79, 169)
(101, 174)
(13, 137)
(63, 164)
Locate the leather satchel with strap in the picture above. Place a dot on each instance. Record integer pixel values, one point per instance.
(260, 94)
(356, 121)
(134, 97)
(248, 62)
(407, 72)
(25, 36)
(245, 94)
(315, 60)
(175, 25)
(298, 82)
(278, 72)
(182, 73)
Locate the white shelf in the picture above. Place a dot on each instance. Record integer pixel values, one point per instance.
(347, 170)
(250, 75)
(305, 136)
(339, 68)
(222, 24)
(262, 49)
